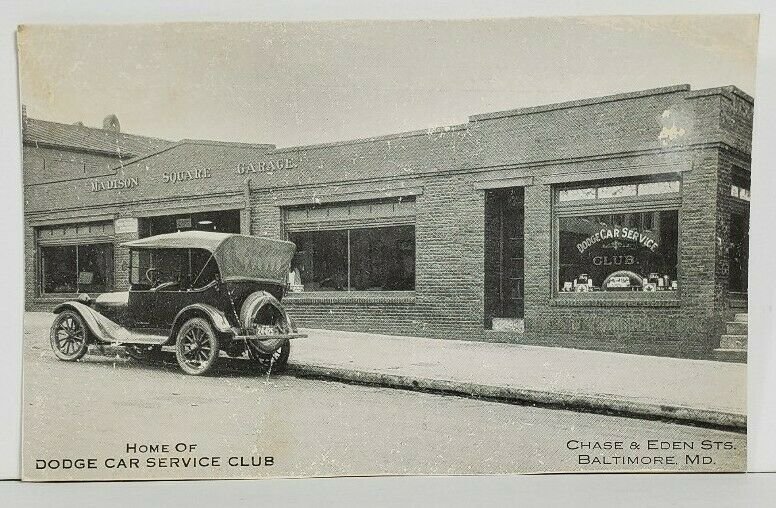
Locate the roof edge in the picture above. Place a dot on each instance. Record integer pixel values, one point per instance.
(268, 146)
(126, 155)
(722, 90)
(579, 102)
(372, 139)
(28, 119)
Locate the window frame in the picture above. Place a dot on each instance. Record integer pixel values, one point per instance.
(671, 201)
(405, 216)
(110, 274)
(348, 262)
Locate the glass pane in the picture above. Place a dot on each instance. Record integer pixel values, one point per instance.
(646, 189)
(95, 268)
(156, 267)
(135, 262)
(204, 268)
(607, 256)
(321, 261)
(141, 262)
(382, 259)
(59, 269)
(616, 191)
(577, 194)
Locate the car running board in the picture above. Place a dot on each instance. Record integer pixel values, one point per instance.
(271, 337)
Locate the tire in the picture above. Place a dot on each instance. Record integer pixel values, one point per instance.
(196, 347)
(143, 352)
(69, 336)
(274, 363)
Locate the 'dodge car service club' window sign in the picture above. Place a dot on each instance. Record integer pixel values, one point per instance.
(615, 257)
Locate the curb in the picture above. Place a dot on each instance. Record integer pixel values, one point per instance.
(569, 401)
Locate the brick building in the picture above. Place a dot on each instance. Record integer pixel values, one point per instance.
(617, 223)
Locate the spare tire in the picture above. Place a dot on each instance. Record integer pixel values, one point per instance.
(261, 314)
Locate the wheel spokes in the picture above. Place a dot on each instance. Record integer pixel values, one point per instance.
(197, 347)
(69, 336)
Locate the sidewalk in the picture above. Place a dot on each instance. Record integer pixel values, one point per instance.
(699, 391)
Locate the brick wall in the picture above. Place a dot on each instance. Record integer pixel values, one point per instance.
(450, 232)
(622, 136)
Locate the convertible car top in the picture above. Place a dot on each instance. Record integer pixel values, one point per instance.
(239, 257)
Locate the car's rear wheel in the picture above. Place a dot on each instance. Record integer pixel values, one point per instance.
(275, 362)
(69, 336)
(196, 346)
(143, 352)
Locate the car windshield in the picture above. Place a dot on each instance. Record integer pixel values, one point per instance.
(172, 269)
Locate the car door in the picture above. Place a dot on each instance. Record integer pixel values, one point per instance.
(140, 309)
(141, 300)
(169, 292)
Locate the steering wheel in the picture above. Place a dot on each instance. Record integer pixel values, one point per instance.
(149, 275)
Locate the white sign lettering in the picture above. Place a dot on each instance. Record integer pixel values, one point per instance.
(271, 165)
(114, 184)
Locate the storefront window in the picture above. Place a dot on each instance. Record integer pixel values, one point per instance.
(363, 259)
(77, 268)
(618, 252)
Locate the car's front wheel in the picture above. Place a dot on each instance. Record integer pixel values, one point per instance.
(69, 336)
(196, 346)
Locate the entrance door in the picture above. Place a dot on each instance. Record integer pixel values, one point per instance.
(504, 263)
(738, 256)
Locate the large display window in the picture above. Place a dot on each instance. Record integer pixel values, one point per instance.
(77, 268)
(618, 238)
(365, 245)
(358, 259)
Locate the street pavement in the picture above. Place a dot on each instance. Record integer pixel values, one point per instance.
(98, 407)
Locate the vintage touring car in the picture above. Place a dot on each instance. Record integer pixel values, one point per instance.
(202, 292)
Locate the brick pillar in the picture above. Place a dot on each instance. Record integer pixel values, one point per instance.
(245, 213)
(124, 232)
(699, 259)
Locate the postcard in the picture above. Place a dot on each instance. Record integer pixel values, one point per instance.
(304, 249)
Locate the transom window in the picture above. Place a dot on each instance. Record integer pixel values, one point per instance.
(740, 184)
(619, 191)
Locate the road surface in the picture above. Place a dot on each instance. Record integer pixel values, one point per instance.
(107, 411)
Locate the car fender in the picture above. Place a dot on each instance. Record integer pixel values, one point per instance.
(215, 316)
(95, 321)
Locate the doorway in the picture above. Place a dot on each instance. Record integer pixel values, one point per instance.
(738, 257)
(224, 221)
(504, 258)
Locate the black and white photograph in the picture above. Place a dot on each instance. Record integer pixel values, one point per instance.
(362, 248)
